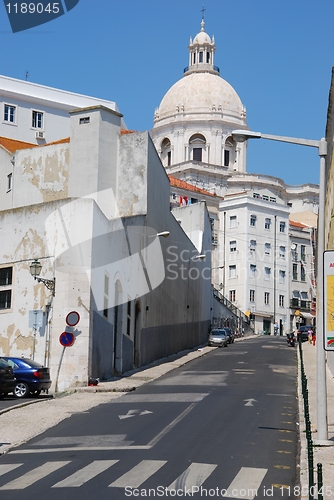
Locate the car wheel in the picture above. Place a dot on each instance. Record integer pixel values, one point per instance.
(21, 390)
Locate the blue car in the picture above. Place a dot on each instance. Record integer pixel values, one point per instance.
(31, 377)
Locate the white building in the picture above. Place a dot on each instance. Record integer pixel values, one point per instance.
(37, 114)
(250, 215)
(140, 297)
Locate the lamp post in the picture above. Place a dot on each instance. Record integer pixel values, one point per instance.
(35, 271)
(321, 145)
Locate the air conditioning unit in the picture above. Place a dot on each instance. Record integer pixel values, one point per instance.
(40, 135)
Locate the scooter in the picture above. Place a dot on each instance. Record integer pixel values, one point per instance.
(291, 339)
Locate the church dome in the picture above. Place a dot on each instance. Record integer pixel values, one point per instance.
(199, 93)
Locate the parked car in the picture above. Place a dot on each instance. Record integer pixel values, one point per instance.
(217, 337)
(302, 332)
(31, 377)
(7, 379)
(230, 335)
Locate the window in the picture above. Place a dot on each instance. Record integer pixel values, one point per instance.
(294, 272)
(282, 275)
(256, 195)
(169, 158)
(6, 280)
(252, 221)
(226, 158)
(267, 273)
(272, 199)
(267, 223)
(37, 119)
(282, 252)
(253, 270)
(265, 197)
(232, 295)
(201, 57)
(252, 245)
(267, 248)
(208, 57)
(251, 295)
(128, 317)
(9, 182)
(197, 154)
(232, 271)
(294, 252)
(302, 273)
(282, 227)
(233, 246)
(84, 120)
(9, 113)
(266, 298)
(233, 221)
(303, 252)
(106, 296)
(281, 300)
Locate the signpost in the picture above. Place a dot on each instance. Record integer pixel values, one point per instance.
(67, 339)
(328, 301)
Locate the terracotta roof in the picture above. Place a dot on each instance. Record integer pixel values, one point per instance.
(61, 141)
(12, 145)
(124, 131)
(174, 181)
(297, 224)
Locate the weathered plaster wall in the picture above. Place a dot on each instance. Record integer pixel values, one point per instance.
(40, 175)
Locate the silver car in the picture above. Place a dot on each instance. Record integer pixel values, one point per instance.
(218, 338)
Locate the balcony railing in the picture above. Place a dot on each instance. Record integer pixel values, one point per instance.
(303, 305)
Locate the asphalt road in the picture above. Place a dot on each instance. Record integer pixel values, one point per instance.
(9, 401)
(222, 426)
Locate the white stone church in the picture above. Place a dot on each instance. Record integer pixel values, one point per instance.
(259, 263)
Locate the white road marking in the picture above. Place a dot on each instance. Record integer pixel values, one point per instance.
(138, 474)
(178, 397)
(4, 468)
(246, 483)
(133, 413)
(193, 476)
(85, 474)
(217, 378)
(34, 475)
(250, 402)
(164, 431)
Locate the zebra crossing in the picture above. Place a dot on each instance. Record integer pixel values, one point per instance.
(192, 478)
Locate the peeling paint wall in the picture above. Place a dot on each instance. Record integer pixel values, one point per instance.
(40, 175)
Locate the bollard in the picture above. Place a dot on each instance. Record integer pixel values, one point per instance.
(310, 470)
(320, 481)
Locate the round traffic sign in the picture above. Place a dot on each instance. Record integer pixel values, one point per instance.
(72, 318)
(67, 339)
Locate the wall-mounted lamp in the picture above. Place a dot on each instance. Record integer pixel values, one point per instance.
(35, 271)
(164, 234)
(199, 257)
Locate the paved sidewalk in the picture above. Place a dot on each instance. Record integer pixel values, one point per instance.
(323, 454)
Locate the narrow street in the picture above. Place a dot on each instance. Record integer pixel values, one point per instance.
(223, 425)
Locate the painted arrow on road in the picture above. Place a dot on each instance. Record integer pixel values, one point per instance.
(250, 402)
(133, 413)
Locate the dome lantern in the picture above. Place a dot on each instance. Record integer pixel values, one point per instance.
(201, 54)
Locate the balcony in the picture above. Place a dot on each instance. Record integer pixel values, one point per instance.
(302, 305)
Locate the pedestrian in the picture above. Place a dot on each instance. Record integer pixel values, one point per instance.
(275, 329)
(310, 335)
(313, 338)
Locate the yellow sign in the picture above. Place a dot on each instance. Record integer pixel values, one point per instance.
(297, 313)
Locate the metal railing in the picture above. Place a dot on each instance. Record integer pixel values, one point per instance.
(230, 306)
(310, 458)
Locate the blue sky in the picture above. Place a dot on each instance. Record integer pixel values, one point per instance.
(277, 54)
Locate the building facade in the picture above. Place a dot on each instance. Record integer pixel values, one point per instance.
(250, 218)
(139, 296)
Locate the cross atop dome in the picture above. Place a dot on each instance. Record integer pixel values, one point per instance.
(203, 22)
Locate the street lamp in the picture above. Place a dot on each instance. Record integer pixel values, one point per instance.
(321, 145)
(35, 271)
